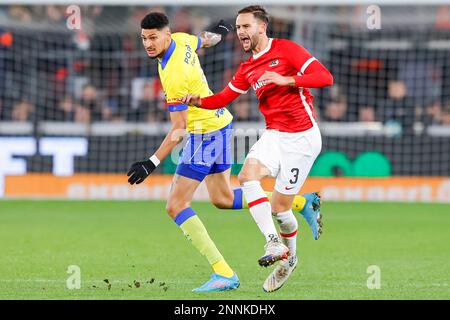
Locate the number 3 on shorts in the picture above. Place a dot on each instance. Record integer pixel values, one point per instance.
(295, 171)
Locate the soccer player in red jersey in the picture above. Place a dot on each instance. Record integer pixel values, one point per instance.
(279, 71)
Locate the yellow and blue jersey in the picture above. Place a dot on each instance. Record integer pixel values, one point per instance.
(181, 74)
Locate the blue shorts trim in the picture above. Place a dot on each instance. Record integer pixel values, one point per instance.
(191, 172)
(186, 170)
(218, 168)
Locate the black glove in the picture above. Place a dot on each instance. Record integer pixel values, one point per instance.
(222, 28)
(139, 171)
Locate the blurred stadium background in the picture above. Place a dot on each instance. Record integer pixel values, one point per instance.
(78, 106)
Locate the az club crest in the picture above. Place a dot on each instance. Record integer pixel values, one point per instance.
(274, 63)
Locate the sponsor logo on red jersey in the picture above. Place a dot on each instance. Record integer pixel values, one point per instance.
(274, 63)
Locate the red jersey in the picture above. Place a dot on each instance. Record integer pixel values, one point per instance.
(285, 108)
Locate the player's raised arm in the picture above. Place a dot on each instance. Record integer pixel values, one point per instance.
(210, 38)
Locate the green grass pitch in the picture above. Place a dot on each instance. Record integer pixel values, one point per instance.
(144, 255)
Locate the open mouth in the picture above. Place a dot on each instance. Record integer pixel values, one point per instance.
(245, 41)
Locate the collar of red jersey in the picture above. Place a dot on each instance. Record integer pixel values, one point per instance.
(259, 54)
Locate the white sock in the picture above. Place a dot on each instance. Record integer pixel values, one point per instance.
(288, 230)
(260, 208)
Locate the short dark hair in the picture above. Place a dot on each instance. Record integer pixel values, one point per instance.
(155, 20)
(258, 12)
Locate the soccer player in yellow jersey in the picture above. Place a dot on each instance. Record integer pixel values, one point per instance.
(207, 153)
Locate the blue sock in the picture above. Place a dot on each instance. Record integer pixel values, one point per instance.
(238, 201)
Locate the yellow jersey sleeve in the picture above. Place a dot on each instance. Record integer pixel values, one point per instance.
(194, 41)
(177, 88)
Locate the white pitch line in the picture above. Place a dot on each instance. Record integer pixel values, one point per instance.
(131, 281)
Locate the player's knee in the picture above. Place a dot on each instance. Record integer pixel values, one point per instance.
(170, 208)
(243, 177)
(280, 207)
(281, 204)
(173, 208)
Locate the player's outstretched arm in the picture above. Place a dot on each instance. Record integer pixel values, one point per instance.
(212, 37)
(216, 101)
(140, 170)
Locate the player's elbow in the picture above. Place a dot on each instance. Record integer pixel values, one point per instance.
(177, 132)
(328, 79)
(179, 125)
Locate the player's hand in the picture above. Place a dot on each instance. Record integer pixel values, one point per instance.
(192, 99)
(139, 171)
(276, 78)
(222, 28)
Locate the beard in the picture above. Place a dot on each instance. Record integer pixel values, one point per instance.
(254, 40)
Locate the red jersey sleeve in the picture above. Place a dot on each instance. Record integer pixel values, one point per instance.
(299, 57)
(219, 100)
(315, 76)
(312, 74)
(239, 83)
